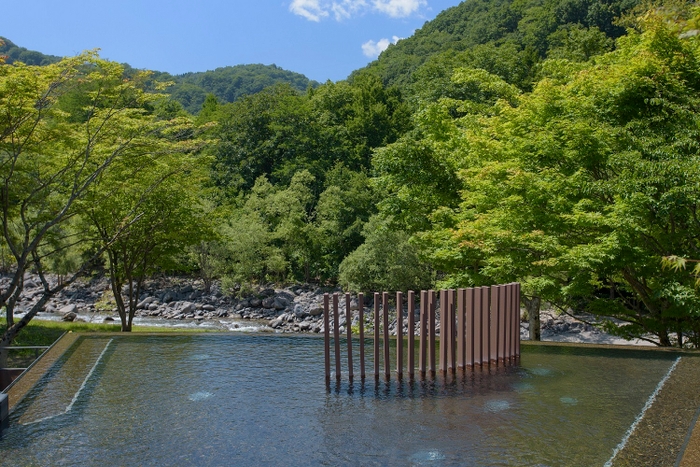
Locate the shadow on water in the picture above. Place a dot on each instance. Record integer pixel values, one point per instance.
(467, 382)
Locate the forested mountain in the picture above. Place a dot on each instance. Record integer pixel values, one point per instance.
(190, 89)
(15, 53)
(505, 37)
(231, 83)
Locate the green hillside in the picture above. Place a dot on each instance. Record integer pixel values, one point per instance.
(228, 84)
(505, 37)
(14, 53)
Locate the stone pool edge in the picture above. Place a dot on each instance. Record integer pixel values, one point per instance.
(27, 380)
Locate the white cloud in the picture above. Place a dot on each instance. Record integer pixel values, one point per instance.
(372, 49)
(347, 8)
(398, 8)
(309, 9)
(315, 10)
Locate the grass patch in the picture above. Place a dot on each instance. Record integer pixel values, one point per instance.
(45, 333)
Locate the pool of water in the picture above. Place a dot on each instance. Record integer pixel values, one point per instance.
(262, 400)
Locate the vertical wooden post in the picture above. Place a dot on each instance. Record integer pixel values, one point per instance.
(361, 317)
(444, 331)
(348, 325)
(478, 333)
(485, 307)
(399, 334)
(376, 335)
(411, 334)
(385, 305)
(327, 335)
(508, 330)
(469, 330)
(502, 323)
(461, 327)
(493, 323)
(336, 335)
(422, 350)
(431, 336)
(451, 301)
(517, 307)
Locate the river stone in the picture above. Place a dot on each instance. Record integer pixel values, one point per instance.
(169, 296)
(279, 303)
(188, 308)
(144, 303)
(208, 307)
(70, 316)
(268, 302)
(299, 311)
(316, 310)
(72, 308)
(275, 323)
(153, 306)
(255, 302)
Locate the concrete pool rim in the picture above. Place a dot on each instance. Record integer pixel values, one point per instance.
(670, 428)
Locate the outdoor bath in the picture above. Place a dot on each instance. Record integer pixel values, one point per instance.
(247, 399)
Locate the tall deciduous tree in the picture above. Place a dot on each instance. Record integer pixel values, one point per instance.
(54, 148)
(590, 180)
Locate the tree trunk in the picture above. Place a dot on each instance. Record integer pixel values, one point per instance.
(533, 314)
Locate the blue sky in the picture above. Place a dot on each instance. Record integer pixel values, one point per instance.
(323, 39)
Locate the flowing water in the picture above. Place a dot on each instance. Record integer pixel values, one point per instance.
(244, 399)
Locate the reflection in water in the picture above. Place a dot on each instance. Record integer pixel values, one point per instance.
(200, 396)
(262, 400)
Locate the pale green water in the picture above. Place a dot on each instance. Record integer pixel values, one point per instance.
(262, 400)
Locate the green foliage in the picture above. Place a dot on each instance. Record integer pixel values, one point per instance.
(505, 37)
(579, 188)
(229, 84)
(385, 261)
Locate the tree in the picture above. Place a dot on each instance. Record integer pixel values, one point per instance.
(52, 153)
(146, 223)
(385, 261)
(590, 180)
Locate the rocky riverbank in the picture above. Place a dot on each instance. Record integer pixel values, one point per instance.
(296, 309)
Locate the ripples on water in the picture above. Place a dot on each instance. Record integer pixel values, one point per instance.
(262, 400)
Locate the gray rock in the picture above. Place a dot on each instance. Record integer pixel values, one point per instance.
(316, 310)
(69, 316)
(208, 307)
(276, 323)
(279, 303)
(145, 302)
(169, 296)
(269, 302)
(255, 303)
(299, 311)
(153, 306)
(72, 308)
(188, 308)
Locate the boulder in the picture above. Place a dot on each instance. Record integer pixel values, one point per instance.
(299, 311)
(69, 316)
(316, 310)
(72, 308)
(255, 302)
(188, 308)
(276, 323)
(279, 303)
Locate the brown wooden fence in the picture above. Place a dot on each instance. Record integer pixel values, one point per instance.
(478, 326)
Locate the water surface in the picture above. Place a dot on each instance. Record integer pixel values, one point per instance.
(262, 400)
